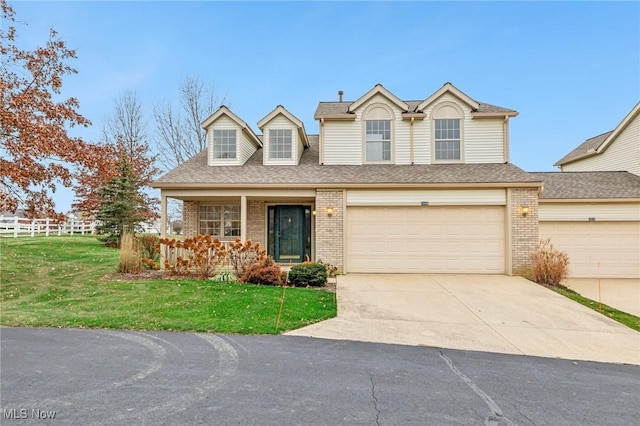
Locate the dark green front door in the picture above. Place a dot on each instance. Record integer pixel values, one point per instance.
(288, 233)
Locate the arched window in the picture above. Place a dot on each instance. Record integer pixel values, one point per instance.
(378, 134)
(447, 133)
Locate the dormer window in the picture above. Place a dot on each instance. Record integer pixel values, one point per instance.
(447, 139)
(280, 143)
(224, 144)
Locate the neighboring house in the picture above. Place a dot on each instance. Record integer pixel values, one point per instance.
(591, 210)
(617, 150)
(595, 218)
(388, 185)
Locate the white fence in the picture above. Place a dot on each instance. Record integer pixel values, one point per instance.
(20, 226)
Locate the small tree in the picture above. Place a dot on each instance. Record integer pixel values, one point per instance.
(122, 206)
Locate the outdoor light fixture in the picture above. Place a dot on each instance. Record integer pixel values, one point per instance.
(313, 212)
(524, 210)
(329, 211)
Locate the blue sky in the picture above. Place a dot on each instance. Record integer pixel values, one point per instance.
(572, 70)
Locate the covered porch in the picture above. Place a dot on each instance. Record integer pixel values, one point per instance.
(283, 221)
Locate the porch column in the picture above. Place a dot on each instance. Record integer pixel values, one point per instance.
(163, 215)
(243, 217)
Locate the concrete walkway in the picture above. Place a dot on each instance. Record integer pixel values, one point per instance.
(492, 313)
(622, 294)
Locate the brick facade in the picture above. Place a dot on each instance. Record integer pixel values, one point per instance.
(329, 229)
(190, 218)
(256, 231)
(524, 229)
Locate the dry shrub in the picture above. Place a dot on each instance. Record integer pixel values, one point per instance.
(242, 255)
(550, 266)
(130, 254)
(265, 272)
(200, 255)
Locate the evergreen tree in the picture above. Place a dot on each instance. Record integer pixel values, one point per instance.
(122, 206)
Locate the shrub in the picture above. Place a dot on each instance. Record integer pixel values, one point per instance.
(265, 272)
(200, 255)
(242, 255)
(308, 274)
(225, 276)
(550, 266)
(150, 245)
(331, 269)
(130, 258)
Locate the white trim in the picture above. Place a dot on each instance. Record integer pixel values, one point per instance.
(378, 89)
(448, 87)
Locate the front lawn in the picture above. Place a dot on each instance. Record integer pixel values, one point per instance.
(57, 282)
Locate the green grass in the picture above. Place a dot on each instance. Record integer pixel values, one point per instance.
(629, 320)
(57, 282)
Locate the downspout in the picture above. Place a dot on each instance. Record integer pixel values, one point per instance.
(321, 141)
(505, 133)
(411, 140)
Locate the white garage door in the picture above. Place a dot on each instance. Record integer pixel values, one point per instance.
(597, 249)
(426, 239)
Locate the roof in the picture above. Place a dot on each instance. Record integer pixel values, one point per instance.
(588, 185)
(224, 110)
(196, 173)
(599, 144)
(345, 108)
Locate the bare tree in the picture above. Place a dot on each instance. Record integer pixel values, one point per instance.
(178, 129)
(126, 125)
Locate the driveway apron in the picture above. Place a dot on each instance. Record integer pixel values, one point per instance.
(491, 313)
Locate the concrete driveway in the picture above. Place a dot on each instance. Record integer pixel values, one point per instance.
(492, 313)
(622, 294)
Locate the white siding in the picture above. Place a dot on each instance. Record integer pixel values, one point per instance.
(584, 211)
(342, 142)
(243, 146)
(277, 123)
(622, 155)
(474, 197)
(483, 140)
(247, 148)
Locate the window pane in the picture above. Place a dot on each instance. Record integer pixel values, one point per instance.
(378, 140)
(280, 143)
(447, 139)
(219, 220)
(224, 144)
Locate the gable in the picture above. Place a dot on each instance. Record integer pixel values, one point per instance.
(617, 148)
(378, 90)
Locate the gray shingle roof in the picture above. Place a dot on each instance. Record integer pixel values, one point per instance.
(196, 172)
(589, 185)
(585, 148)
(340, 108)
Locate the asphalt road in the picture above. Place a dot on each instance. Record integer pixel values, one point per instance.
(67, 376)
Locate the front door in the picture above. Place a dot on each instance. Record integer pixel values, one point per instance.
(289, 233)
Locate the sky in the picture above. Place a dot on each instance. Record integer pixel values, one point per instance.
(571, 69)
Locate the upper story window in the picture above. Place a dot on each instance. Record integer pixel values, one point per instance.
(378, 140)
(378, 132)
(280, 143)
(224, 144)
(447, 139)
(448, 133)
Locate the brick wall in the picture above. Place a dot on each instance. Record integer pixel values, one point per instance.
(524, 229)
(329, 230)
(190, 218)
(256, 221)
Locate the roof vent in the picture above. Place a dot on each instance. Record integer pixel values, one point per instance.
(340, 93)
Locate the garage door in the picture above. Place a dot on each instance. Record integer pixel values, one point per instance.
(597, 249)
(425, 239)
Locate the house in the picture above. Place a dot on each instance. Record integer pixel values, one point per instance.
(591, 209)
(388, 185)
